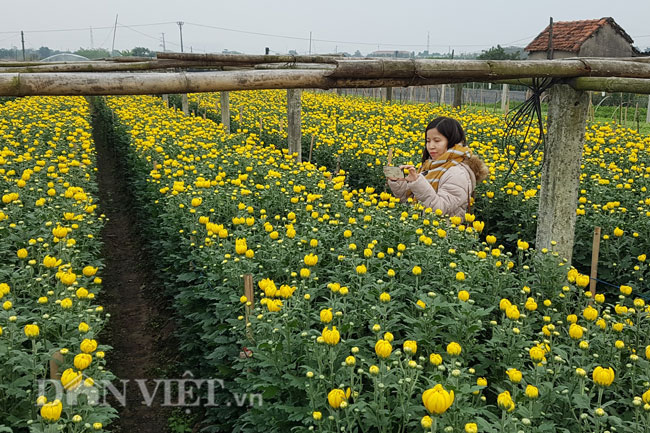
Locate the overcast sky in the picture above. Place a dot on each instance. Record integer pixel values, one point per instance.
(283, 25)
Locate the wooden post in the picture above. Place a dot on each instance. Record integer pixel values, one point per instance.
(458, 95)
(389, 94)
(442, 95)
(261, 127)
(390, 156)
(560, 182)
(595, 249)
(504, 97)
(225, 111)
(294, 107)
(647, 114)
(55, 363)
(311, 147)
(249, 292)
(185, 104)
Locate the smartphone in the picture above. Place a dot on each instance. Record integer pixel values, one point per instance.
(393, 172)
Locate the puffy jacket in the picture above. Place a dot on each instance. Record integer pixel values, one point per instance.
(454, 188)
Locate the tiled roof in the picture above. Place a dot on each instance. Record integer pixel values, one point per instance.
(570, 35)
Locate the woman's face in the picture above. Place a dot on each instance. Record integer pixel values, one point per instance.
(436, 143)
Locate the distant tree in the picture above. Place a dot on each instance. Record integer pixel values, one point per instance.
(497, 53)
(142, 52)
(9, 53)
(96, 53)
(44, 52)
(357, 53)
(293, 52)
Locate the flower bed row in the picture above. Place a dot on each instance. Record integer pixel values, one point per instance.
(367, 315)
(615, 180)
(49, 281)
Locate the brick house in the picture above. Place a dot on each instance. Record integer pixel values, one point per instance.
(584, 38)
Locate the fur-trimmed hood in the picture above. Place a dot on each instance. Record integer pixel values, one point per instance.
(480, 169)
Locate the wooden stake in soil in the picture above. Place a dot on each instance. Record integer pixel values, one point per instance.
(225, 111)
(311, 147)
(294, 132)
(595, 249)
(55, 363)
(390, 156)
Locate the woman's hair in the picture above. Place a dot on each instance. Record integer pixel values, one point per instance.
(449, 128)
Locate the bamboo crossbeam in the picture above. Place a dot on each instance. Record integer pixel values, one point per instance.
(612, 84)
(481, 70)
(248, 58)
(103, 66)
(132, 83)
(148, 83)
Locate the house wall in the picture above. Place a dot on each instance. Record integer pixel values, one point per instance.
(606, 42)
(541, 55)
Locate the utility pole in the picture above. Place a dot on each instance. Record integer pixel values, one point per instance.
(310, 43)
(114, 31)
(180, 28)
(163, 42)
(22, 38)
(428, 43)
(92, 42)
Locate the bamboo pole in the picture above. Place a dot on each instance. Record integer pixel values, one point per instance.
(74, 84)
(489, 69)
(249, 58)
(105, 66)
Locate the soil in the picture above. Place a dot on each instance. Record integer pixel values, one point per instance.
(139, 328)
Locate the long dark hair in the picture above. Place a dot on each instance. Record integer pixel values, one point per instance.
(449, 128)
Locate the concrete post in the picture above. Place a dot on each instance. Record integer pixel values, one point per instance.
(294, 107)
(560, 183)
(504, 97)
(185, 104)
(389, 94)
(647, 115)
(458, 95)
(225, 111)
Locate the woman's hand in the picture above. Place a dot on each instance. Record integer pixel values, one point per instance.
(413, 174)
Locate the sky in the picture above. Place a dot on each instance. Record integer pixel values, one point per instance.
(464, 26)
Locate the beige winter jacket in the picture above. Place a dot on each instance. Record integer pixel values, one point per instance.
(454, 188)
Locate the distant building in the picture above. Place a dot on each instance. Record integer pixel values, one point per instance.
(585, 38)
(391, 53)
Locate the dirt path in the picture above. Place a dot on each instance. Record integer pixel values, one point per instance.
(137, 327)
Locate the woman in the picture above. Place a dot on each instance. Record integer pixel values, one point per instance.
(448, 174)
